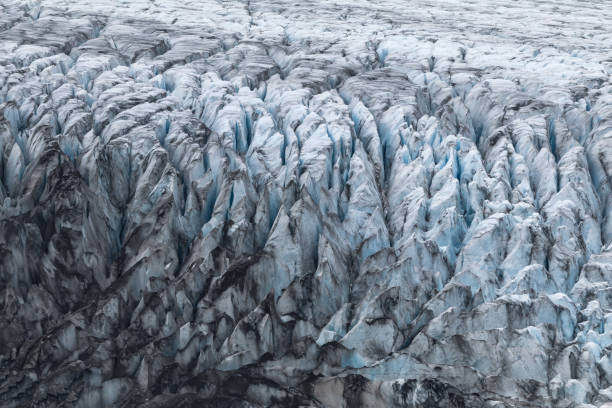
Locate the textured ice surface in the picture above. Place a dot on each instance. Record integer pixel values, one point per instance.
(270, 203)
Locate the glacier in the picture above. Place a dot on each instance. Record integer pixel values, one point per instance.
(316, 204)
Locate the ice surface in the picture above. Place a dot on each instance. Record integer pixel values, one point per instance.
(321, 204)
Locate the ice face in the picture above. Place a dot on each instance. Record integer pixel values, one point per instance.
(274, 204)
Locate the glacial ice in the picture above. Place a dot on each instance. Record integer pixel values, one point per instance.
(274, 204)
